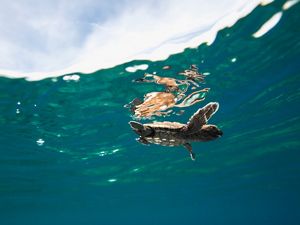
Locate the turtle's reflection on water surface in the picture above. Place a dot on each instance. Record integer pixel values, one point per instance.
(160, 104)
(156, 103)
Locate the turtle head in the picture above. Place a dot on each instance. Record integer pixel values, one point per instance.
(140, 129)
(210, 132)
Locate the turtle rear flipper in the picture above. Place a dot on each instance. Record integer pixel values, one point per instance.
(140, 129)
(201, 117)
(189, 147)
(142, 141)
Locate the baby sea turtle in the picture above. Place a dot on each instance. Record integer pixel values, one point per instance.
(175, 134)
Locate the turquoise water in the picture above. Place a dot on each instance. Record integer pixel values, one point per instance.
(68, 155)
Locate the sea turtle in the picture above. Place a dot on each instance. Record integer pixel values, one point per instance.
(175, 134)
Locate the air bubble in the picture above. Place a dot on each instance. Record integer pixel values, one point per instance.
(40, 142)
(112, 180)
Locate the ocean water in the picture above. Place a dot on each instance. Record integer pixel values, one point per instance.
(68, 155)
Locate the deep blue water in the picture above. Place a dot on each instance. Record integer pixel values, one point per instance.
(88, 168)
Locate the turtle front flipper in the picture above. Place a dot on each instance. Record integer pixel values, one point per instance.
(189, 147)
(201, 117)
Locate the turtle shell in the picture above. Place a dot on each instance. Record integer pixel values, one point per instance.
(166, 125)
(166, 133)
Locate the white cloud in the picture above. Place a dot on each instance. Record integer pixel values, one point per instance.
(57, 37)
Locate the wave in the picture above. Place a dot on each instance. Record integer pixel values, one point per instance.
(141, 33)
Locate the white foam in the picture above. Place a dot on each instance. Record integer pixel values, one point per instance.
(267, 26)
(289, 4)
(74, 77)
(266, 2)
(140, 32)
(132, 69)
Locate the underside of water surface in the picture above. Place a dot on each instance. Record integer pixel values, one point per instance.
(68, 155)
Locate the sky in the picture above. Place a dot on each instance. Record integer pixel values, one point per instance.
(44, 38)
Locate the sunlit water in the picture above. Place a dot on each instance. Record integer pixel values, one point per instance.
(68, 155)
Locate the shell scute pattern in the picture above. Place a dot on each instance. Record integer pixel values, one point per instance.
(165, 125)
